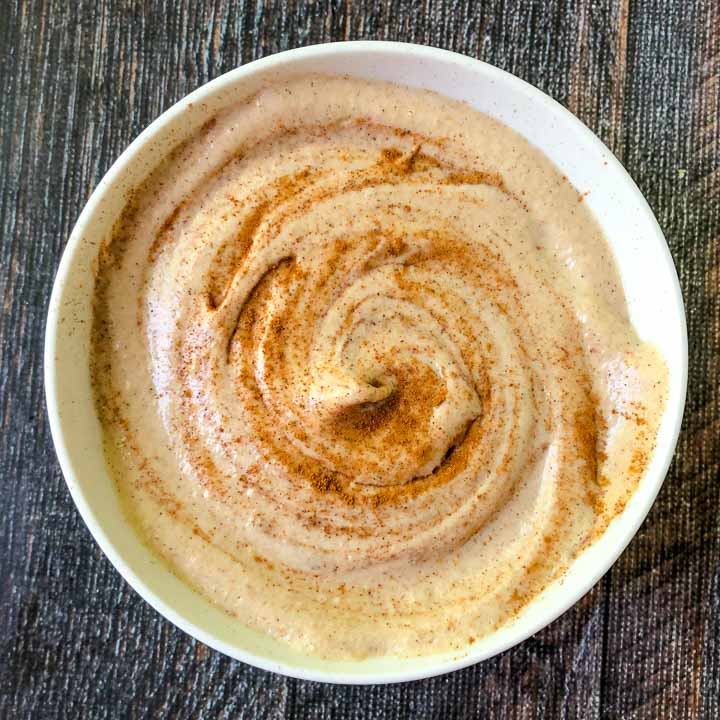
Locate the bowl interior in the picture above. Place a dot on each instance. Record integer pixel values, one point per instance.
(646, 268)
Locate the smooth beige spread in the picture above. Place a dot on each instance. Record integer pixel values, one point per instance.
(363, 362)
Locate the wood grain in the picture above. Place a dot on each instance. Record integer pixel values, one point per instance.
(79, 80)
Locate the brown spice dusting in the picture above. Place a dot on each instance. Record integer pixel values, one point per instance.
(384, 399)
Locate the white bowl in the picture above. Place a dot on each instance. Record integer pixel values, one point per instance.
(647, 271)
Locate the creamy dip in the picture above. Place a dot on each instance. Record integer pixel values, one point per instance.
(364, 367)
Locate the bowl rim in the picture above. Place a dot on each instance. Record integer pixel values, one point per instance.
(52, 330)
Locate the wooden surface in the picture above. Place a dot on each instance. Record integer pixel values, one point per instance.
(78, 80)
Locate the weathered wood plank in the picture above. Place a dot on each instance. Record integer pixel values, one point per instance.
(663, 616)
(79, 81)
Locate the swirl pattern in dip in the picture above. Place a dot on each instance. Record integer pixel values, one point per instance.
(365, 370)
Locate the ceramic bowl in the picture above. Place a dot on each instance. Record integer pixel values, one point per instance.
(647, 271)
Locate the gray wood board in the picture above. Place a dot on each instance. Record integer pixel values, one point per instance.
(81, 79)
